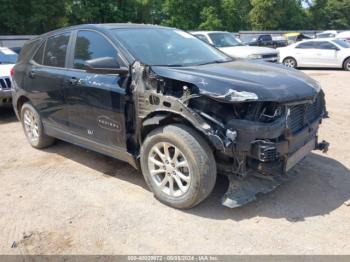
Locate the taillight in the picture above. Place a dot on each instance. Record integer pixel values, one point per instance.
(12, 72)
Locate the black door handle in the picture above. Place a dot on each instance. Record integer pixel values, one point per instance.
(31, 74)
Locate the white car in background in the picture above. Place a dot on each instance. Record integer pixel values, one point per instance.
(317, 53)
(231, 46)
(8, 59)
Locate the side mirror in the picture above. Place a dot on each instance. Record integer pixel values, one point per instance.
(105, 65)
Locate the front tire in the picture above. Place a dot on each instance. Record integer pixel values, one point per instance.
(290, 62)
(33, 127)
(178, 166)
(346, 65)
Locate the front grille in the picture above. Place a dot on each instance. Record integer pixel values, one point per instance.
(303, 114)
(268, 154)
(5, 83)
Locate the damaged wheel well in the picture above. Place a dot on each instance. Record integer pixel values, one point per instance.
(163, 118)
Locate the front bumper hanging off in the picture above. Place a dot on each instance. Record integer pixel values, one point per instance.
(243, 191)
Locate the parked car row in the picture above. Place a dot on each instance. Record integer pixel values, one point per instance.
(168, 103)
(319, 52)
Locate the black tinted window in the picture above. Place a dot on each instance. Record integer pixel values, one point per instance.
(306, 45)
(325, 45)
(55, 50)
(91, 45)
(265, 38)
(38, 58)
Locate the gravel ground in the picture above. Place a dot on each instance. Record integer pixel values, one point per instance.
(66, 200)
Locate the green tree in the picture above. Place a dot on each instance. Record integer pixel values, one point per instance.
(277, 14)
(182, 14)
(330, 14)
(210, 19)
(235, 14)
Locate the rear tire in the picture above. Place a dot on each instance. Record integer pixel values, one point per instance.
(33, 127)
(178, 166)
(346, 64)
(290, 62)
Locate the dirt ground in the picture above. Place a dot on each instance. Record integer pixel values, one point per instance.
(67, 200)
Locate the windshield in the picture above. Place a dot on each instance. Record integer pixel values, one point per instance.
(224, 40)
(7, 56)
(342, 43)
(168, 47)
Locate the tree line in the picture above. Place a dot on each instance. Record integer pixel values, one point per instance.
(39, 16)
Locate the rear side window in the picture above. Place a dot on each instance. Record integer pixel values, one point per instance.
(91, 45)
(55, 50)
(38, 57)
(306, 45)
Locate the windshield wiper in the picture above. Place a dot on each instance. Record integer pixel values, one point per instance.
(216, 62)
(175, 65)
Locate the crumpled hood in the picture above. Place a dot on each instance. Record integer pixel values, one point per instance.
(5, 69)
(244, 51)
(267, 81)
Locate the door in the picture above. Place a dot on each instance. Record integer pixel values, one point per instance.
(304, 53)
(326, 54)
(44, 78)
(96, 101)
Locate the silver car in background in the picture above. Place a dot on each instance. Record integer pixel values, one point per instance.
(233, 47)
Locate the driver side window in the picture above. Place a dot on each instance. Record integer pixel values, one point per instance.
(325, 45)
(91, 45)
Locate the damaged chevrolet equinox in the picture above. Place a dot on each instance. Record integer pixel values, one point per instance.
(171, 105)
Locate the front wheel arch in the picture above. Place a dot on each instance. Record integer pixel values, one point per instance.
(345, 61)
(168, 118)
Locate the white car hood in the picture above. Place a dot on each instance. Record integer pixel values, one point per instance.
(5, 70)
(244, 51)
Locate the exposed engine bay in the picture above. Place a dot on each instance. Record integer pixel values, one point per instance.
(256, 141)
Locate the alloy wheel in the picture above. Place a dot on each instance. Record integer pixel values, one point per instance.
(289, 62)
(169, 169)
(31, 125)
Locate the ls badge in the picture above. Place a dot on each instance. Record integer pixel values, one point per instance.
(106, 123)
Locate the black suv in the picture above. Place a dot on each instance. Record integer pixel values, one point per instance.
(164, 101)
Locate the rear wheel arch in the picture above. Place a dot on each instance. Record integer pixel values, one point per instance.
(20, 102)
